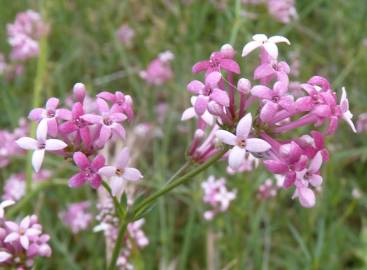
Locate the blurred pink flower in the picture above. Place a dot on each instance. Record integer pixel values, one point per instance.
(77, 217)
(159, 70)
(282, 10)
(125, 34)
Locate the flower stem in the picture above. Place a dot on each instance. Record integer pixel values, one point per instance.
(118, 245)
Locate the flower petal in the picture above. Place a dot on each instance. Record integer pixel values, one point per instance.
(102, 105)
(4, 256)
(200, 66)
(132, 174)
(244, 126)
(188, 114)
(201, 104)
(226, 137)
(316, 180)
(213, 78)
(77, 180)
(81, 160)
(24, 241)
(276, 166)
(195, 87)
(42, 129)
(271, 49)
(27, 143)
(249, 47)
(230, 65)
(11, 237)
(52, 103)
(98, 162)
(54, 145)
(107, 171)
(96, 181)
(278, 39)
(220, 96)
(316, 162)
(37, 159)
(257, 145)
(262, 92)
(306, 197)
(123, 158)
(236, 157)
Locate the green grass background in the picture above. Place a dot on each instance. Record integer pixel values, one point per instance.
(277, 234)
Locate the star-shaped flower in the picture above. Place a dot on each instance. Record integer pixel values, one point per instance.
(262, 41)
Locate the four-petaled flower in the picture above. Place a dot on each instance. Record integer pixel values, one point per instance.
(40, 145)
(88, 170)
(262, 41)
(241, 143)
(120, 172)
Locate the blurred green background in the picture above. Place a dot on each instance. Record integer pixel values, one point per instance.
(274, 234)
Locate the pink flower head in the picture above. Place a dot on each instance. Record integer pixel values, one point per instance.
(76, 217)
(121, 103)
(217, 62)
(208, 92)
(50, 114)
(158, 71)
(270, 69)
(109, 120)
(262, 41)
(273, 100)
(120, 172)
(191, 113)
(24, 232)
(125, 34)
(282, 10)
(40, 145)
(88, 170)
(241, 143)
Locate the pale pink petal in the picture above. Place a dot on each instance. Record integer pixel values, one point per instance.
(37, 159)
(236, 157)
(195, 87)
(42, 130)
(249, 47)
(107, 171)
(268, 111)
(257, 145)
(262, 91)
(306, 197)
(316, 163)
(132, 174)
(51, 126)
(64, 114)
(220, 96)
(92, 118)
(271, 49)
(123, 158)
(201, 104)
(226, 137)
(33, 232)
(4, 256)
(213, 78)
(244, 126)
(208, 118)
(12, 226)
(118, 117)
(316, 180)
(54, 145)
(52, 103)
(278, 39)
(263, 71)
(24, 224)
(24, 241)
(188, 114)
(11, 237)
(36, 114)
(102, 105)
(119, 130)
(27, 143)
(117, 185)
(260, 37)
(6, 203)
(104, 135)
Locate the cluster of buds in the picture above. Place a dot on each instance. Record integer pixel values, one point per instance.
(23, 36)
(109, 224)
(222, 106)
(80, 131)
(77, 217)
(159, 70)
(217, 196)
(21, 243)
(269, 189)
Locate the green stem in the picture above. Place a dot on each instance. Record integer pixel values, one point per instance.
(171, 184)
(26, 199)
(116, 203)
(38, 81)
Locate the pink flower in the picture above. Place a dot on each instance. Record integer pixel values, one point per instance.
(241, 143)
(109, 120)
(88, 170)
(40, 145)
(120, 172)
(50, 114)
(159, 70)
(282, 10)
(217, 62)
(191, 113)
(121, 103)
(23, 232)
(262, 41)
(76, 217)
(125, 34)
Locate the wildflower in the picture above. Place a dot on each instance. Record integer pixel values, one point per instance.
(241, 143)
(262, 41)
(120, 172)
(76, 216)
(159, 70)
(282, 10)
(40, 145)
(22, 232)
(88, 170)
(125, 34)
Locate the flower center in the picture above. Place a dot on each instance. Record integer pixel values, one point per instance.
(21, 231)
(119, 171)
(41, 145)
(79, 122)
(276, 99)
(107, 121)
(88, 172)
(51, 113)
(241, 143)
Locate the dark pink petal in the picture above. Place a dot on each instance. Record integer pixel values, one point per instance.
(95, 181)
(68, 127)
(77, 180)
(98, 162)
(304, 104)
(320, 81)
(201, 104)
(333, 125)
(262, 71)
(81, 160)
(276, 166)
(283, 66)
(77, 110)
(220, 96)
(200, 66)
(85, 135)
(302, 163)
(230, 65)
(318, 139)
(52, 103)
(289, 179)
(104, 135)
(79, 91)
(322, 110)
(262, 91)
(52, 127)
(36, 114)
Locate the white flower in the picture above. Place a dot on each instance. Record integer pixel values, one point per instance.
(269, 44)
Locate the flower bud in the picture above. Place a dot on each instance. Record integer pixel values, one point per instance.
(244, 86)
(79, 91)
(227, 51)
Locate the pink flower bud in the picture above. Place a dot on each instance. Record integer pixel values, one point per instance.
(227, 51)
(244, 86)
(79, 91)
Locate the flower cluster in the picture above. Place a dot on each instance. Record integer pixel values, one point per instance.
(109, 224)
(77, 217)
(159, 70)
(269, 189)
(21, 242)
(222, 105)
(283, 11)
(216, 196)
(125, 34)
(80, 131)
(15, 186)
